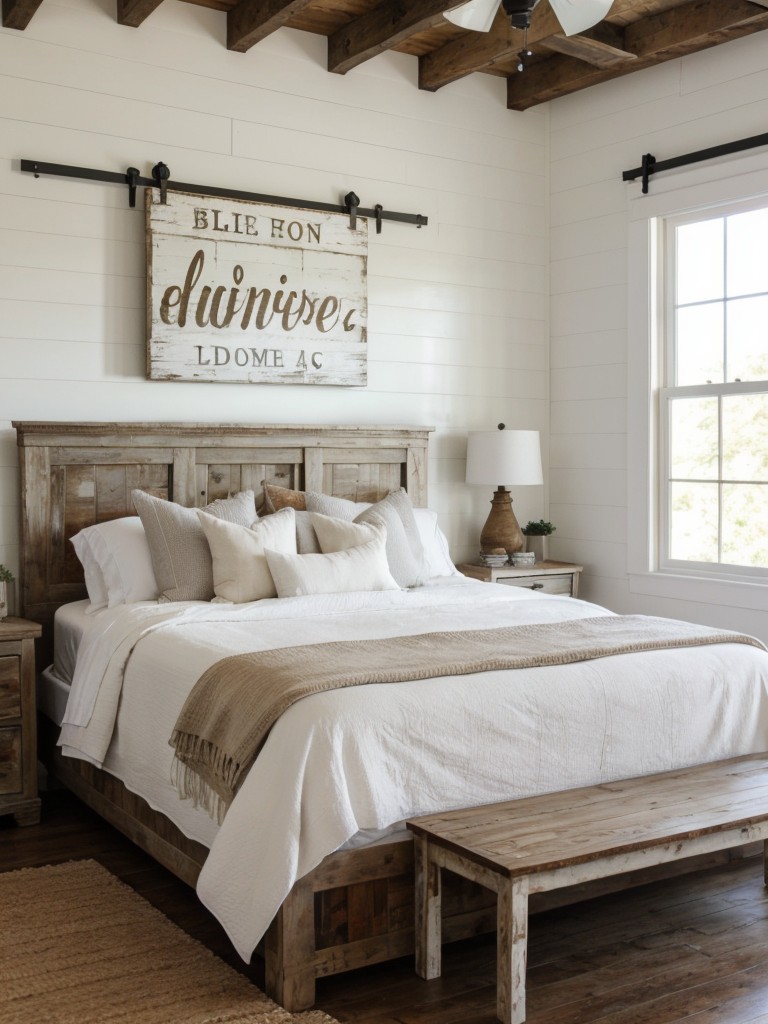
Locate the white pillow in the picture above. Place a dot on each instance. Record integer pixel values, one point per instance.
(405, 553)
(360, 568)
(240, 570)
(117, 563)
(437, 557)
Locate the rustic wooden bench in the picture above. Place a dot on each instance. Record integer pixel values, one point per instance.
(540, 843)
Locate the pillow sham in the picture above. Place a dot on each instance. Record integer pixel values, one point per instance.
(339, 534)
(238, 508)
(181, 557)
(437, 556)
(337, 508)
(359, 568)
(275, 498)
(306, 538)
(117, 563)
(240, 570)
(405, 553)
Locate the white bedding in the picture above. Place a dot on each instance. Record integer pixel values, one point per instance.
(363, 759)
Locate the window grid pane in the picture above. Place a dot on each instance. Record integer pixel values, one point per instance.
(716, 442)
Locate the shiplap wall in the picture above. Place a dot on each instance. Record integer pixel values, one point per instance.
(458, 324)
(685, 105)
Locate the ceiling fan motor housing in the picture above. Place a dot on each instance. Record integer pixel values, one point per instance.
(520, 12)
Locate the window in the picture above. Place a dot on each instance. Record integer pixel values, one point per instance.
(713, 399)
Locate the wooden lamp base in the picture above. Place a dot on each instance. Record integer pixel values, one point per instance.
(501, 531)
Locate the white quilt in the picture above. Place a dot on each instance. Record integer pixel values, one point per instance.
(347, 763)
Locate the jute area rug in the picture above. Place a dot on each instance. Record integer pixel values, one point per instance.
(77, 946)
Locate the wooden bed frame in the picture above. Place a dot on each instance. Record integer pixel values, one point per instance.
(357, 907)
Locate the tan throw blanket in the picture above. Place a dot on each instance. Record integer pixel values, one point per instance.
(233, 705)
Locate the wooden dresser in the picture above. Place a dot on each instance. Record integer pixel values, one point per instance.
(18, 724)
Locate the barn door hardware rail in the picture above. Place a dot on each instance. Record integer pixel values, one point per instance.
(161, 180)
(651, 165)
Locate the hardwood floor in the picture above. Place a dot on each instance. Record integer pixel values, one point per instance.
(691, 949)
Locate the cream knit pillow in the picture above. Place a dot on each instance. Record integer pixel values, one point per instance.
(240, 570)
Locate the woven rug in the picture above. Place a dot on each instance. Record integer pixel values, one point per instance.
(77, 946)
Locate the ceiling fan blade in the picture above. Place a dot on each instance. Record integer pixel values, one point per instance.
(476, 15)
(578, 15)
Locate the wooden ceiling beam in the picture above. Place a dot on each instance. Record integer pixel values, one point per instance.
(673, 33)
(474, 51)
(602, 46)
(18, 13)
(250, 21)
(134, 12)
(479, 51)
(382, 29)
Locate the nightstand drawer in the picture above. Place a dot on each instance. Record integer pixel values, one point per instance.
(10, 687)
(11, 775)
(541, 584)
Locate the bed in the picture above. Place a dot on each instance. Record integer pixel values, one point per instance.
(348, 902)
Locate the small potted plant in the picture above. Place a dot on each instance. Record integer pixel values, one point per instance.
(536, 534)
(6, 577)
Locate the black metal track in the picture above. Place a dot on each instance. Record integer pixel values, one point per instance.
(38, 167)
(651, 165)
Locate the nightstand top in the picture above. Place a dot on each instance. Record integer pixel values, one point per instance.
(13, 628)
(538, 569)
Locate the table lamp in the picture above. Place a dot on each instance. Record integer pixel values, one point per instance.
(511, 456)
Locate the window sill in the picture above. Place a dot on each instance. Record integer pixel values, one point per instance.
(705, 590)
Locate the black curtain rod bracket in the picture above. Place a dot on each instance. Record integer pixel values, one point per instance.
(650, 165)
(161, 180)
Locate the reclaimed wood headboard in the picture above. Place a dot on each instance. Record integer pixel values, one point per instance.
(76, 474)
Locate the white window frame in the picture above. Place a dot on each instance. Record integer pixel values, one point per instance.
(705, 186)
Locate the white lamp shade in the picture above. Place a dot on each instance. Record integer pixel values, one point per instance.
(504, 457)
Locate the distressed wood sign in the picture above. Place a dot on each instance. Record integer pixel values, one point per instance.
(249, 292)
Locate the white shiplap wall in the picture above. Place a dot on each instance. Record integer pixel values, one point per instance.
(685, 105)
(458, 325)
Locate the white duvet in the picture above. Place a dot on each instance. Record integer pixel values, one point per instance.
(345, 764)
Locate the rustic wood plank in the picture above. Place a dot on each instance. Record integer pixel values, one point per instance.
(665, 825)
(592, 51)
(250, 21)
(674, 33)
(134, 12)
(18, 13)
(289, 950)
(382, 29)
(10, 684)
(428, 923)
(512, 953)
(10, 760)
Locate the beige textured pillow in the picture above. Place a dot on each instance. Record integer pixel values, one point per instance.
(240, 570)
(181, 558)
(276, 498)
(359, 568)
(405, 552)
(339, 534)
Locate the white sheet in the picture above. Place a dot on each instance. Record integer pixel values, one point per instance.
(69, 624)
(367, 757)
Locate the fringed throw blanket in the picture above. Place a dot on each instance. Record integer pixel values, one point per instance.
(233, 705)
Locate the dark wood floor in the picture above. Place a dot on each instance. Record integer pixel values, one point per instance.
(691, 949)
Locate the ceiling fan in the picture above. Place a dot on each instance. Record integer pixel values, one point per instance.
(574, 15)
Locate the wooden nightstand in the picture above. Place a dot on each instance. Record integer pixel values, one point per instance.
(18, 725)
(546, 577)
